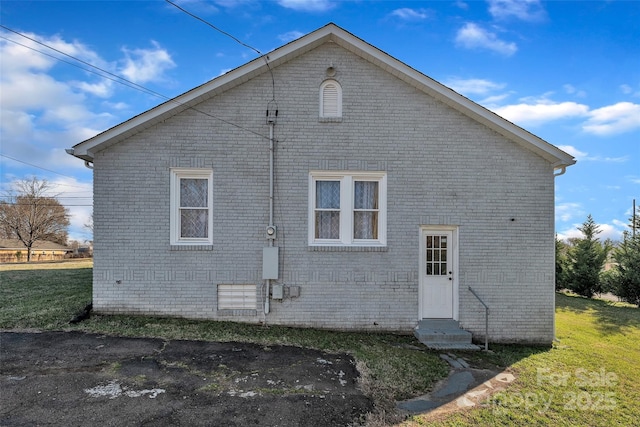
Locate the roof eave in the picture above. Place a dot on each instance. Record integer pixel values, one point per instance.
(87, 149)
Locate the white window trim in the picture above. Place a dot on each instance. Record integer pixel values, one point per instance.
(174, 194)
(347, 179)
(338, 101)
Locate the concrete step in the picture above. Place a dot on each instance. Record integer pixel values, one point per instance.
(443, 334)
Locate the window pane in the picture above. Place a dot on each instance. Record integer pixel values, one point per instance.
(193, 193)
(194, 223)
(327, 194)
(366, 195)
(365, 225)
(327, 225)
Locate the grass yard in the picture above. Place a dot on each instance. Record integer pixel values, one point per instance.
(590, 377)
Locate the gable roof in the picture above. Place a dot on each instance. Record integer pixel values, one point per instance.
(329, 33)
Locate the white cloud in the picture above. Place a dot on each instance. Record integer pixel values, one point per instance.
(42, 113)
(473, 86)
(290, 35)
(146, 65)
(409, 14)
(629, 90)
(543, 111)
(582, 156)
(525, 10)
(607, 231)
(613, 119)
(573, 151)
(308, 5)
(571, 90)
(494, 99)
(101, 89)
(568, 211)
(472, 36)
(30, 97)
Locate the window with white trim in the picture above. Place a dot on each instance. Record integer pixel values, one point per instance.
(330, 99)
(347, 208)
(191, 204)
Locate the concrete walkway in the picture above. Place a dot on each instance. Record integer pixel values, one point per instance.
(465, 387)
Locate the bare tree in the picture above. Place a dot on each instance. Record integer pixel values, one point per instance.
(30, 215)
(89, 224)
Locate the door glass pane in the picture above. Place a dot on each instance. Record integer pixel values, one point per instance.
(436, 256)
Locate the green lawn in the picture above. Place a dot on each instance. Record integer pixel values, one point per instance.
(589, 377)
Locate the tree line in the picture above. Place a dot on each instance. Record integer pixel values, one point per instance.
(589, 266)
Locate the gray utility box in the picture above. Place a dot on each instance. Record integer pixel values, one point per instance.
(270, 263)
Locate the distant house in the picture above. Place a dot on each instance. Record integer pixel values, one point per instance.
(13, 250)
(327, 185)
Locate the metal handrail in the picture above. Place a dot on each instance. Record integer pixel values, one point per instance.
(486, 319)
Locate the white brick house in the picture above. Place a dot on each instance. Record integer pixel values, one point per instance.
(392, 195)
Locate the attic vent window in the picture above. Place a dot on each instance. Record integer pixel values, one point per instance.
(330, 99)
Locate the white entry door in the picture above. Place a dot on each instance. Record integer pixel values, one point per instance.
(437, 274)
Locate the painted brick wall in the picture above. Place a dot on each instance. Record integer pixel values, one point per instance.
(442, 168)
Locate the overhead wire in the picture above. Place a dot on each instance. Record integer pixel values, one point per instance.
(237, 40)
(121, 80)
(36, 166)
(118, 79)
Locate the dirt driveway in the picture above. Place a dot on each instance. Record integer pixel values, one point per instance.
(78, 379)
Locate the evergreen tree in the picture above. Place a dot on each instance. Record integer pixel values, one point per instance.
(586, 260)
(625, 277)
(562, 264)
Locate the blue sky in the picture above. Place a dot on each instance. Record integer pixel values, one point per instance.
(568, 72)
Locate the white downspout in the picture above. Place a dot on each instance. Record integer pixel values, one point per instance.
(563, 169)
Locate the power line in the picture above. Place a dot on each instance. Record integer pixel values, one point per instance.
(117, 79)
(124, 81)
(36, 166)
(262, 55)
